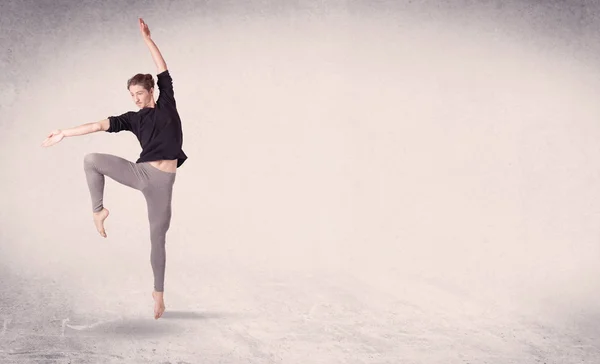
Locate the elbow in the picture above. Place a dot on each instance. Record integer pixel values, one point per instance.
(102, 125)
(96, 127)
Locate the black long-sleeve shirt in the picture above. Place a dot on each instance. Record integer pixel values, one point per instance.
(158, 129)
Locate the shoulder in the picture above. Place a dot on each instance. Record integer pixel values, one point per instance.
(131, 115)
(124, 116)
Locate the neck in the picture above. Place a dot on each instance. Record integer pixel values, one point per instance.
(150, 105)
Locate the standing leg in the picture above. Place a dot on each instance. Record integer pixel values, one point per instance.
(99, 165)
(159, 217)
(158, 198)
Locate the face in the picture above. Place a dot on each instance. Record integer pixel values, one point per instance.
(141, 97)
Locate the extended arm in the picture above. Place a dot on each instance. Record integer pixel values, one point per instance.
(87, 128)
(157, 57)
(57, 135)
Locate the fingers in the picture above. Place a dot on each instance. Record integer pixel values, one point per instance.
(49, 141)
(144, 28)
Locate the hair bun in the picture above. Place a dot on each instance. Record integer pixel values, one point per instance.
(145, 80)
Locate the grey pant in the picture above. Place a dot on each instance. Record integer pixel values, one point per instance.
(157, 188)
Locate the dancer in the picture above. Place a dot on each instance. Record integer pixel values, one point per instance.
(158, 128)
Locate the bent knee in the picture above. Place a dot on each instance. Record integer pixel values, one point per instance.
(90, 159)
(94, 159)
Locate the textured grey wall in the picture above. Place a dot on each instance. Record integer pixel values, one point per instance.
(455, 141)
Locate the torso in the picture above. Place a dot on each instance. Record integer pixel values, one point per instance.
(169, 166)
(158, 119)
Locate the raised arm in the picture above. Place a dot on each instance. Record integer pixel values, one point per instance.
(156, 55)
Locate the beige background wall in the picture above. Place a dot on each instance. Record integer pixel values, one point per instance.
(362, 157)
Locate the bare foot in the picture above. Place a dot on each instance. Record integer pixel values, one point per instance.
(159, 304)
(99, 218)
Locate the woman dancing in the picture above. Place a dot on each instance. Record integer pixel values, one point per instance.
(158, 128)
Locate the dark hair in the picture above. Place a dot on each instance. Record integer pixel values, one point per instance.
(144, 80)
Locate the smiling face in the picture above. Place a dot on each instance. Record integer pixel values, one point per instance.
(141, 89)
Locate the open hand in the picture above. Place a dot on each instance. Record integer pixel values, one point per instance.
(54, 137)
(144, 29)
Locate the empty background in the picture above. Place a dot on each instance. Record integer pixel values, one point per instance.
(366, 182)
